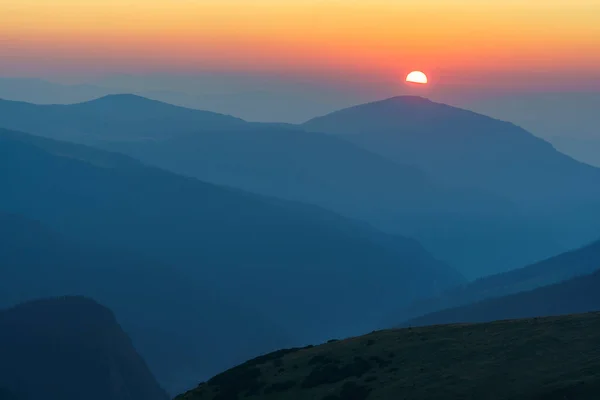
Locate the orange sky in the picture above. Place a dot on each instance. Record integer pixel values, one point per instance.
(477, 39)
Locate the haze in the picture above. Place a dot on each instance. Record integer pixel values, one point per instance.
(249, 194)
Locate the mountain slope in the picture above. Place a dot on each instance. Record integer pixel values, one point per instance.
(462, 147)
(152, 301)
(557, 195)
(547, 358)
(308, 269)
(287, 162)
(68, 349)
(586, 150)
(577, 295)
(556, 269)
(6, 394)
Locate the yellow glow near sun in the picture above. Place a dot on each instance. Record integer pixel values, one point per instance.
(416, 77)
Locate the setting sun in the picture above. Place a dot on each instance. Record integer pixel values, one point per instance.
(416, 77)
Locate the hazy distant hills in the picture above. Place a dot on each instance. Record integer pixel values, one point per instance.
(70, 348)
(577, 295)
(310, 271)
(275, 98)
(562, 267)
(459, 147)
(546, 114)
(215, 240)
(465, 148)
(287, 162)
(531, 359)
(151, 300)
(272, 159)
(115, 117)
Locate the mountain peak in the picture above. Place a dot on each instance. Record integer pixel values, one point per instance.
(133, 106)
(406, 99)
(122, 98)
(399, 114)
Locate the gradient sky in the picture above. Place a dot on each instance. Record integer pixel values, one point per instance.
(533, 43)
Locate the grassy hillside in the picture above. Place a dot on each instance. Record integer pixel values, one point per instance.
(548, 358)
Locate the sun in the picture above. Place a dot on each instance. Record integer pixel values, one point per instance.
(417, 77)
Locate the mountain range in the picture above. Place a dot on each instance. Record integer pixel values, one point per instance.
(470, 149)
(546, 114)
(195, 226)
(305, 270)
(401, 194)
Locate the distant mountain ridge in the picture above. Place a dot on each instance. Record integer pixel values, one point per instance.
(70, 348)
(557, 269)
(121, 117)
(463, 147)
(576, 295)
(287, 162)
(558, 194)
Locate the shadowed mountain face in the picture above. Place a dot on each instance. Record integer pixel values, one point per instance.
(289, 163)
(6, 394)
(309, 270)
(70, 348)
(152, 301)
(554, 270)
(546, 358)
(465, 148)
(577, 295)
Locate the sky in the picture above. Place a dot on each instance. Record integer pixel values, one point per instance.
(516, 44)
(532, 62)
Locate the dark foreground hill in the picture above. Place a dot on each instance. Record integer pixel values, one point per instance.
(70, 348)
(533, 359)
(577, 295)
(6, 394)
